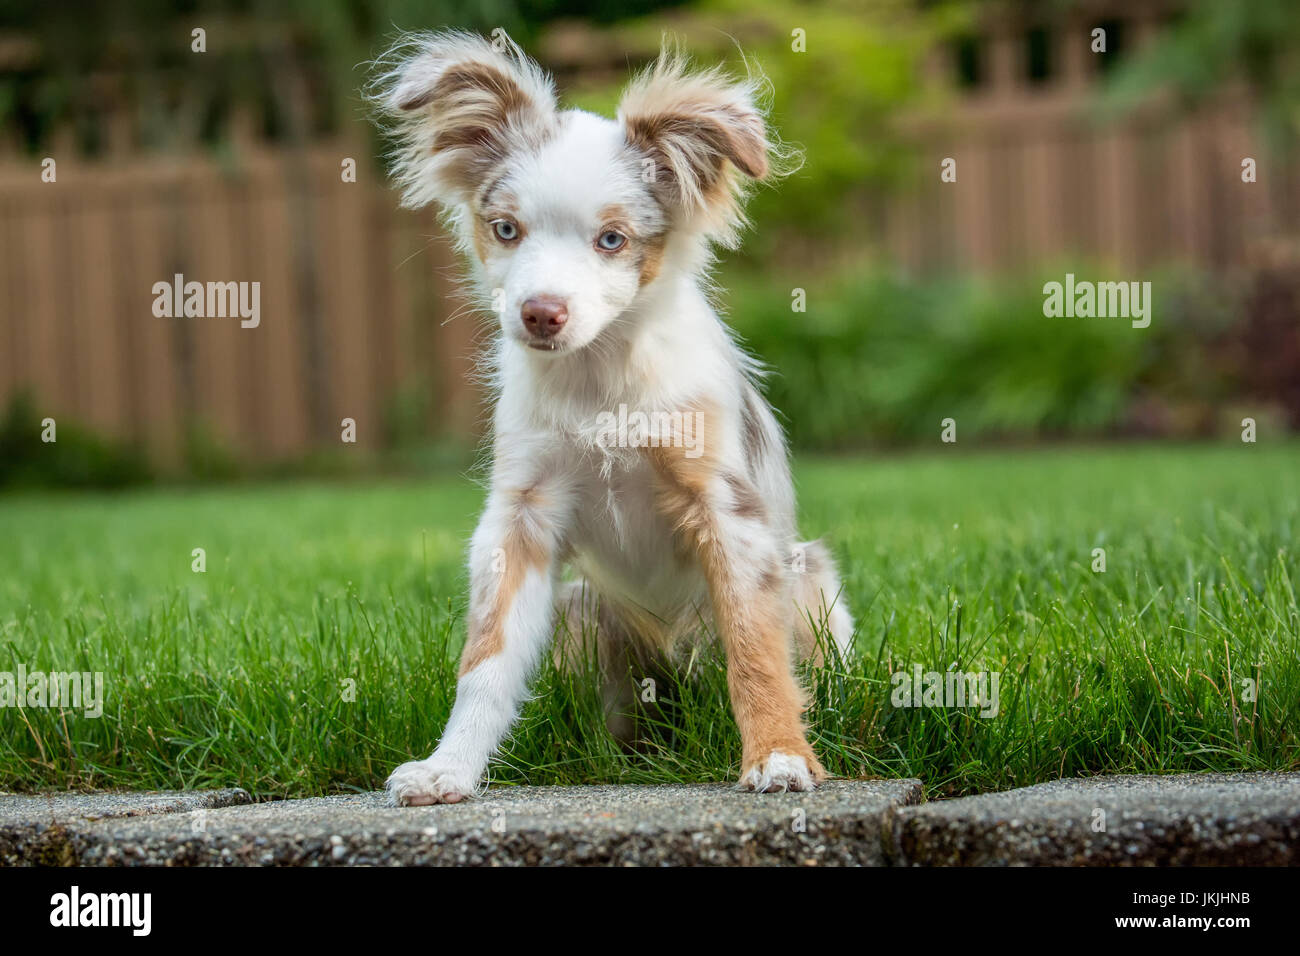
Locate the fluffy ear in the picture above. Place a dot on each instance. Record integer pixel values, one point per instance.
(456, 104)
(700, 130)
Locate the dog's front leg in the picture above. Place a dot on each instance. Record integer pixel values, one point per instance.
(725, 521)
(512, 558)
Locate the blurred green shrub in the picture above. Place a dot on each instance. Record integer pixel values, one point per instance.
(877, 360)
(76, 459)
(205, 457)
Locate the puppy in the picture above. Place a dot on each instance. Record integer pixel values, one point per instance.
(640, 494)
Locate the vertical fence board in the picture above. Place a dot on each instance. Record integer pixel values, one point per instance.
(96, 337)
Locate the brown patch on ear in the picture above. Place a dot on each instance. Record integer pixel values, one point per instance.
(416, 101)
(746, 145)
(703, 131)
(472, 76)
(459, 104)
(724, 135)
(726, 132)
(505, 100)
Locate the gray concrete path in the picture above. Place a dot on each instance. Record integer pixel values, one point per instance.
(842, 823)
(1133, 820)
(35, 828)
(1187, 820)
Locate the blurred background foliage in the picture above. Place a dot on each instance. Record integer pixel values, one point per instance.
(884, 350)
(890, 359)
(1214, 44)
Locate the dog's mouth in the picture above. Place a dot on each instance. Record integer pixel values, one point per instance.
(544, 345)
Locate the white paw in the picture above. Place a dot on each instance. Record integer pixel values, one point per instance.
(778, 773)
(422, 782)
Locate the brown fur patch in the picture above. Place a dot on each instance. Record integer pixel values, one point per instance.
(484, 109)
(755, 625)
(652, 259)
(725, 134)
(522, 553)
(483, 239)
(757, 446)
(485, 197)
(773, 580)
(615, 215)
(649, 249)
(472, 79)
(747, 502)
(660, 136)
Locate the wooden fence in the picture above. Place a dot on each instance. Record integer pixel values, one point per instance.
(354, 297)
(1038, 179)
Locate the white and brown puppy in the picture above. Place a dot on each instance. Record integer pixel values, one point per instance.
(631, 448)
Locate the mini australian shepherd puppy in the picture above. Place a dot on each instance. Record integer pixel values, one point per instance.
(640, 494)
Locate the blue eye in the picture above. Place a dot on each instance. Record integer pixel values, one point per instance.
(506, 230)
(611, 241)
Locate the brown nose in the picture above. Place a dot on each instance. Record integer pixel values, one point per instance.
(544, 315)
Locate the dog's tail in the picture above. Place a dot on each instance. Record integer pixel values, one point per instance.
(821, 608)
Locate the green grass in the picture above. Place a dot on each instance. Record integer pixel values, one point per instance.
(238, 676)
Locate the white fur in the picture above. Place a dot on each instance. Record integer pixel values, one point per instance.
(654, 346)
(781, 772)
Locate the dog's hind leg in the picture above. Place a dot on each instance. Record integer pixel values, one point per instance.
(588, 632)
(820, 605)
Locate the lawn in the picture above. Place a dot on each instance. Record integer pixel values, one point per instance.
(318, 648)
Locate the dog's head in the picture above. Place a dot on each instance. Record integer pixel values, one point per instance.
(569, 215)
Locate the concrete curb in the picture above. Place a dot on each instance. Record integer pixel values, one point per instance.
(38, 829)
(1244, 819)
(844, 823)
(1192, 819)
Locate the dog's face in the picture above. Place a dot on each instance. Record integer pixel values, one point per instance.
(567, 234)
(569, 215)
